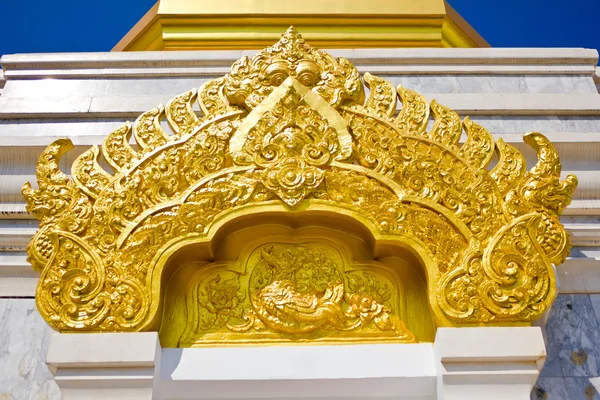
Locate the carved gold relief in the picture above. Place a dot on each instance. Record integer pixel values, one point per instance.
(283, 291)
(289, 131)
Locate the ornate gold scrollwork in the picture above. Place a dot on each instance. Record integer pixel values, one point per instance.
(290, 128)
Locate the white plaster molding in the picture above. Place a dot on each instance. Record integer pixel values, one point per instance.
(579, 275)
(464, 363)
(519, 103)
(488, 363)
(17, 278)
(399, 68)
(584, 234)
(15, 235)
(463, 103)
(14, 211)
(391, 61)
(583, 207)
(105, 365)
(2, 81)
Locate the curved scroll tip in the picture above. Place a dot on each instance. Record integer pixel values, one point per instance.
(63, 143)
(536, 140)
(557, 194)
(26, 190)
(370, 80)
(570, 182)
(52, 155)
(548, 160)
(47, 173)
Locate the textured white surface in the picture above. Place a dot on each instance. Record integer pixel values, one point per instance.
(24, 341)
(395, 61)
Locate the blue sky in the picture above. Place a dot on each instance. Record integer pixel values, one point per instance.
(88, 25)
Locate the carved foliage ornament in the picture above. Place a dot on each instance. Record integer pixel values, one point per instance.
(291, 126)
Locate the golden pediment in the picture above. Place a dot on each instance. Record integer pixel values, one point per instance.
(340, 197)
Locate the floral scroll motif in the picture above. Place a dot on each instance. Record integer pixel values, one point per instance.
(221, 299)
(290, 128)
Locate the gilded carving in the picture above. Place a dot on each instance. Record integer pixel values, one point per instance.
(116, 149)
(291, 290)
(251, 80)
(180, 114)
(289, 131)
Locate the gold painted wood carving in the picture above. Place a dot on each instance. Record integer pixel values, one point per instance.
(289, 132)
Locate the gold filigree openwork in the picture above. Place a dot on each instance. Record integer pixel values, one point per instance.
(289, 131)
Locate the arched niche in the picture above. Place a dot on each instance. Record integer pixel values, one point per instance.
(330, 282)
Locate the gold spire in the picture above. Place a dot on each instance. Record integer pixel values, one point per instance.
(254, 24)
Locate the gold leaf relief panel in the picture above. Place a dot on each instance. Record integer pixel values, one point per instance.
(293, 292)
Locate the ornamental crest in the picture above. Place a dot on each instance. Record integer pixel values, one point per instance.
(299, 202)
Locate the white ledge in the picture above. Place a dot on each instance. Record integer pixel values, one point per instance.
(309, 362)
(197, 63)
(463, 103)
(463, 364)
(103, 350)
(471, 345)
(313, 371)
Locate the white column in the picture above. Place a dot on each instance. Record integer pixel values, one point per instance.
(488, 363)
(105, 365)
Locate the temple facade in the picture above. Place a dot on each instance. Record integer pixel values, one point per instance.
(370, 204)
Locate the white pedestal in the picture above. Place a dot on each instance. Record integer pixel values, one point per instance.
(488, 363)
(105, 365)
(463, 363)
